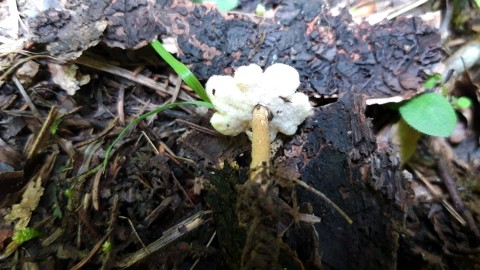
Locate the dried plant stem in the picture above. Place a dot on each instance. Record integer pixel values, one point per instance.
(260, 143)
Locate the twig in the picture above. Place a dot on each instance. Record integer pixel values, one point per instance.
(325, 198)
(9, 102)
(120, 103)
(134, 230)
(178, 84)
(102, 134)
(44, 133)
(140, 79)
(19, 62)
(92, 252)
(169, 236)
(438, 196)
(182, 189)
(26, 97)
(200, 128)
(150, 143)
(172, 156)
(457, 200)
(96, 190)
(159, 209)
(208, 244)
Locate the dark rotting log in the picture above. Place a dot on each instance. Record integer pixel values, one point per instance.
(332, 53)
(340, 157)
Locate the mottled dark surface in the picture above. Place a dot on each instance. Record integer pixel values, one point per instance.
(67, 33)
(340, 157)
(331, 53)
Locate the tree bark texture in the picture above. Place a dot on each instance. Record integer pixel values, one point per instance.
(337, 153)
(331, 53)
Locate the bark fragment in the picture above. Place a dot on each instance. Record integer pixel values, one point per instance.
(332, 53)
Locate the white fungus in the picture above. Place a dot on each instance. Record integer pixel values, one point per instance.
(235, 97)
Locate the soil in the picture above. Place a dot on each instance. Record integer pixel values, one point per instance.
(174, 193)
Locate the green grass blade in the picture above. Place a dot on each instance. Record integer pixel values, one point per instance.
(143, 116)
(182, 70)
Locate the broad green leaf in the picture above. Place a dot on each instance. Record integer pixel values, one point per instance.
(143, 116)
(182, 70)
(430, 114)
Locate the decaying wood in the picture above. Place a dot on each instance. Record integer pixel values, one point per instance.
(331, 53)
(337, 153)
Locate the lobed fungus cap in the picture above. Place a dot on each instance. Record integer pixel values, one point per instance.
(235, 97)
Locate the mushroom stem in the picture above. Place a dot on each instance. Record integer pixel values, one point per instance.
(260, 143)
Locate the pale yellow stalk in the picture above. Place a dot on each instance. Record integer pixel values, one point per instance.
(260, 143)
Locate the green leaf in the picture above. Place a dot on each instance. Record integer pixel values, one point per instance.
(106, 246)
(464, 102)
(430, 114)
(68, 193)
(260, 10)
(56, 123)
(226, 5)
(182, 70)
(222, 5)
(432, 81)
(143, 116)
(24, 235)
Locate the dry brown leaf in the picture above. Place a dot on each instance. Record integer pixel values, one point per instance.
(22, 212)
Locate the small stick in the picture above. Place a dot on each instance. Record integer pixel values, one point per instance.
(199, 128)
(120, 104)
(456, 198)
(260, 142)
(182, 189)
(134, 231)
(26, 97)
(325, 198)
(208, 244)
(438, 196)
(178, 84)
(44, 133)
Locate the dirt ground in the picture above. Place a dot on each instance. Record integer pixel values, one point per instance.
(174, 194)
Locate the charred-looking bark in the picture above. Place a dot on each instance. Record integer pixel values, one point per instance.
(340, 157)
(331, 53)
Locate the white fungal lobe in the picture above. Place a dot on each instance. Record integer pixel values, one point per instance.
(235, 97)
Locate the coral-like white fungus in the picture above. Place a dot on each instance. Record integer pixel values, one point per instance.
(235, 97)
